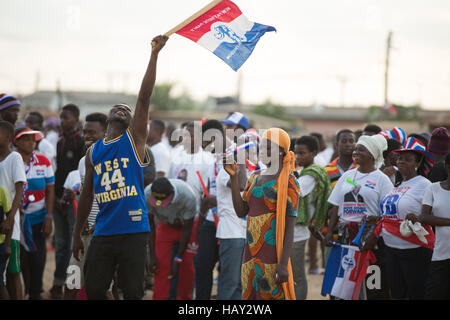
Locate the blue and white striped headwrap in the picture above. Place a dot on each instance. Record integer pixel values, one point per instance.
(413, 144)
(396, 133)
(7, 101)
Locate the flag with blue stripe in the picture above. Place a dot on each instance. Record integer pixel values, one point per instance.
(226, 32)
(345, 271)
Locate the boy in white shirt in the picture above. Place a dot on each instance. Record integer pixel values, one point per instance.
(312, 210)
(13, 178)
(232, 230)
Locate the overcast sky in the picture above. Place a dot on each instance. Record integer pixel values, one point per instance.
(105, 45)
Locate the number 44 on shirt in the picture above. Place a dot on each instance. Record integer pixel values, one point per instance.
(112, 166)
(113, 175)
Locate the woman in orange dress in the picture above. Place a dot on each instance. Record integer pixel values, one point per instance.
(270, 203)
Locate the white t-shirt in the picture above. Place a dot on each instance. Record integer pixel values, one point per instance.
(320, 161)
(307, 184)
(82, 169)
(327, 154)
(73, 181)
(438, 198)
(398, 203)
(162, 157)
(174, 151)
(12, 171)
(355, 203)
(185, 165)
(214, 171)
(94, 209)
(46, 148)
(53, 137)
(230, 225)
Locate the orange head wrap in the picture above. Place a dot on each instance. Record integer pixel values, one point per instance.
(281, 138)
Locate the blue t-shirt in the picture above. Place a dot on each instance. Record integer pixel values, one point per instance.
(119, 187)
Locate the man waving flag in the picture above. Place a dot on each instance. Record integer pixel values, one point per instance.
(222, 28)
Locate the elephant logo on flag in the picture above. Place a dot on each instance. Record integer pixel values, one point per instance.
(223, 32)
(348, 263)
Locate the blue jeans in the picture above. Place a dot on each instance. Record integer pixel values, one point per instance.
(64, 221)
(230, 257)
(205, 260)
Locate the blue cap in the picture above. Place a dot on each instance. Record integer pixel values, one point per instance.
(237, 118)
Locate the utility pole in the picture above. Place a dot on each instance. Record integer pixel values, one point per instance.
(386, 70)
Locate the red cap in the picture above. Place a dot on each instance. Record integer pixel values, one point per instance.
(38, 136)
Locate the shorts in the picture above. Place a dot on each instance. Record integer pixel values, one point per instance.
(14, 259)
(4, 256)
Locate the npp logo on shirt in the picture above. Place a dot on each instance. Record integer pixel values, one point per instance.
(389, 203)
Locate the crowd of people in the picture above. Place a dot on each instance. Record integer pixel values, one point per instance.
(130, 204)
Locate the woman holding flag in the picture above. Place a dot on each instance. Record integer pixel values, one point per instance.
(270, 204)
(358, 192)
(356, 198)
(408, 256)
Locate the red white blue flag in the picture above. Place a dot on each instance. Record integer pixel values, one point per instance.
(391, 109)
(392, 226)
(345, 272)
(226, 32)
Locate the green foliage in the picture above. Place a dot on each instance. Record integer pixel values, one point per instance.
(161, 98)
(164, 99)
(404, 113)
(270, 109)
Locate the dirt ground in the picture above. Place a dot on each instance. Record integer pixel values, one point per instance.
(314, 281)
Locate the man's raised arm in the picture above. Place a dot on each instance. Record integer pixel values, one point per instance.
(138, 125)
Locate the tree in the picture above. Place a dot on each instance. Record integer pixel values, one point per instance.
(164, 99)
(404, 113)
(267, 108)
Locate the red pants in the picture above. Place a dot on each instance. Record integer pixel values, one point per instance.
(166, 237)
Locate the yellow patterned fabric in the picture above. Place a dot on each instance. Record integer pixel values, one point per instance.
(260, 255)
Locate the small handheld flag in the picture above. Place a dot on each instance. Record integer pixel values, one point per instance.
(205, 190)
(345, 272)
(222, 29)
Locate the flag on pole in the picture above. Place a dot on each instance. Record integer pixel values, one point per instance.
(226, 32)
(345, 272)
(391, 109)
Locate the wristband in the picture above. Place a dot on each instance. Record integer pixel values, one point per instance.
(177, 259)
(49, 216)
